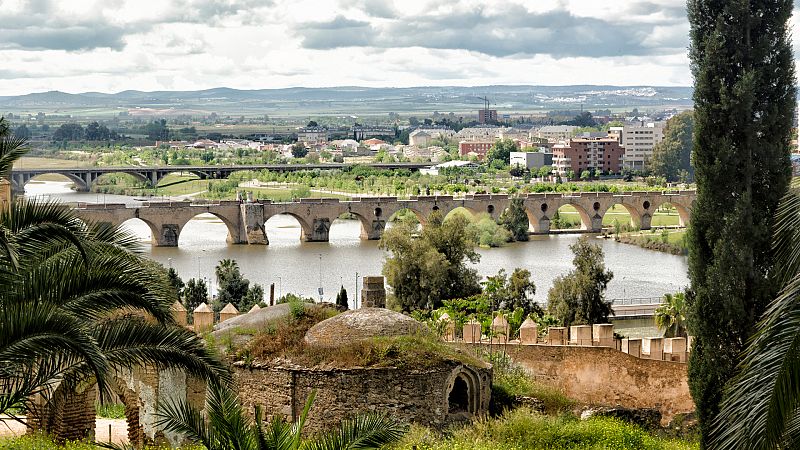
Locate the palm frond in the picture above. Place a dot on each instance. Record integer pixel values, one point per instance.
(368, 431)
(760, 410)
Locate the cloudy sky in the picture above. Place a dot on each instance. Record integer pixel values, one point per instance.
(114, 45)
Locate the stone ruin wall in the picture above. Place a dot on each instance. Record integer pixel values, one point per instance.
(140, 391)
(605, 376)
(419, 396)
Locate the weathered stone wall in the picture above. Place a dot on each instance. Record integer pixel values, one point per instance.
(419, 396)
(606, 376)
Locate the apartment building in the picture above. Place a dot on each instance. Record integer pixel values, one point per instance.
(638, 141)
(603, 154)
(477, 148)
(555, 133)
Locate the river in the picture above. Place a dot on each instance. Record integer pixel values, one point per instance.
(302, 267)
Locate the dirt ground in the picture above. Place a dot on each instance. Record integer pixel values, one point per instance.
(118, 430)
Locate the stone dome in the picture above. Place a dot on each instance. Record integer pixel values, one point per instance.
(360, 324)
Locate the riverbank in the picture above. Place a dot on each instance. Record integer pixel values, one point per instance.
(666, 240)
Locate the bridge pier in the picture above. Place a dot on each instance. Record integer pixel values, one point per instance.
(167, 235)
(597, 223)
(645, 222)
(319, 232)
(374, 231)
(544, 225)
(252, 217)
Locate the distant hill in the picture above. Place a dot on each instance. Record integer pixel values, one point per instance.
(352, 99)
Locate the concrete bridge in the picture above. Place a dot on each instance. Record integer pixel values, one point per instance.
(84, 178)
(246, 220)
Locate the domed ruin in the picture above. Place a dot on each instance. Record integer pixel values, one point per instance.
(361, 324)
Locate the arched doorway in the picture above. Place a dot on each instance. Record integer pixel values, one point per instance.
(458, 400)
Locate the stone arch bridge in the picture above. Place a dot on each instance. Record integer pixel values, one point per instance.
(84, 178)
(246, 220)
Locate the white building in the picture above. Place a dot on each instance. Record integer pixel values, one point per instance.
(531, 160)
(638, 141)
(434, 170)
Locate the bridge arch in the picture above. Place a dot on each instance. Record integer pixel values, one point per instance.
(19, 181)
(634, 220)
(583, 214)
(306, 231)
(232, 227)
(684, 212)
(130, 225)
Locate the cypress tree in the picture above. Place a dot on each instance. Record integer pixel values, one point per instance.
(744, 97)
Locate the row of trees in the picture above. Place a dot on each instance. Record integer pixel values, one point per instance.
(94, 131)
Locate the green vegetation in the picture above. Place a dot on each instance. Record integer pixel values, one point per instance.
(760, 406)
(578, 297)
(341, 298)
(668, 241)
(510, 382)
(42, 442)
(225, 425)
(283, 338)
(110, 410)
(234, 288)
(522, 429)
(672, 156)
(425, 271)
(671, 315)
(515, 220)
(745, 98)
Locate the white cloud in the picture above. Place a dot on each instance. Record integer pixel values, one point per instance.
(108, 46)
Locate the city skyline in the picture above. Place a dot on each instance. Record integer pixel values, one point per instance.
(81, 46)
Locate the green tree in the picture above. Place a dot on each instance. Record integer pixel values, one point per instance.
(511, 293)
(670, 316)
(760, 408)
(175, 281)
(515, 220)
(254, 296)
(579, 297)
(196, 292)
(224, 425)
(744, 97)
(68, 132)
(672, 156)
(425, 271)
(501, 151)
(299, 150)
(233, 287)
(341, 298)
(545, 171)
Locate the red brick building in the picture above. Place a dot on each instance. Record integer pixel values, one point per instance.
(603, 154)
(479, 148)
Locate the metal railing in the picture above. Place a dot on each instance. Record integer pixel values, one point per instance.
(637, 301)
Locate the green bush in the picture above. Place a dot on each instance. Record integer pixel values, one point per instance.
(524, 429)
(111, 411)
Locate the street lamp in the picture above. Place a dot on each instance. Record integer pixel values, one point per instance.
(320, 277)
(280, 288)
(355, 301)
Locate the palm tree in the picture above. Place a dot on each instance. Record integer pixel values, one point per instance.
(761, 409)
(671, 315)
(224, 425)
(225, 269)
(78, 302)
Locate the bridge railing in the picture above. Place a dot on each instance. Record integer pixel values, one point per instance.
(637, 301)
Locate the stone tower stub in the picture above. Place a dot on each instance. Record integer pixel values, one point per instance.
(373, 295)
